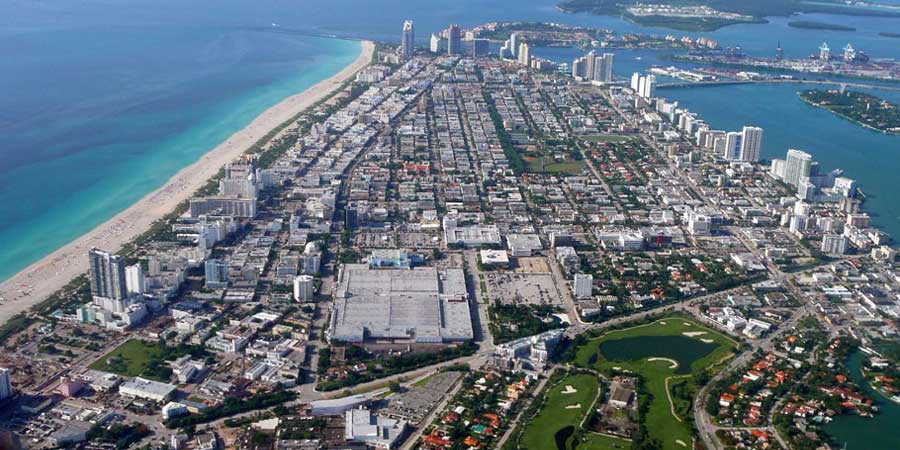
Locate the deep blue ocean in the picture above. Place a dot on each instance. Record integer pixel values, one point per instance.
(101, 101)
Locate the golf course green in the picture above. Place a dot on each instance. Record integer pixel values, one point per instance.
(669, 351)
(566, 403)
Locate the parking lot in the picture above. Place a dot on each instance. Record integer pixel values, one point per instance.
(522, 288)
(532, 264)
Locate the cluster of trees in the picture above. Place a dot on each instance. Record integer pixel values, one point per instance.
(641, 439)
(380, 368)
(303, 428)
(511, 322)
(232, 406)
(119, 435)
(516, 162)
(857, 106)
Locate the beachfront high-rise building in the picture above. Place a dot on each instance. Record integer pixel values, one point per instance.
(733, 144)
(649, 87)
(107, 275)
(408, 44)
(644, 86)
(590, 60)
(524, 54)
(578, 68)
(135, 282)
(834, 244)
(591, 67)
(797, 166)
(454, 40)
(5, 384)
(606, 73)
(751, 144)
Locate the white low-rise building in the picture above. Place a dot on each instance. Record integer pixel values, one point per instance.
(147, 389)
(379, 432)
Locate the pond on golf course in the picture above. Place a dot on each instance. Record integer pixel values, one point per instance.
(682, 349)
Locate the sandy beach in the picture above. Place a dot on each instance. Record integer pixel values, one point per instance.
(36, 282)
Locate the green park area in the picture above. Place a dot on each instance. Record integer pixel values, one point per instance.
(566, 403)
(130, 359)
(144, 359)
(550, 166)
(607, 138)
(673, 357)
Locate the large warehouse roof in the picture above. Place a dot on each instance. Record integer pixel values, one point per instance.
(421, 304)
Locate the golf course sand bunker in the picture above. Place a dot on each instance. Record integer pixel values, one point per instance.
(680, 442)
(672, 363)
(575, 406)
(569, 389)
(679, 348)
(693, 333)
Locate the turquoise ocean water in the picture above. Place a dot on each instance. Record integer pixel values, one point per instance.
(92, 118)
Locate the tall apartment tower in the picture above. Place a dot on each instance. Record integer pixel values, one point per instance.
(583, 286)
(135, 282)
(606, 75)
(514, 45)
(216, 272)
(524, 54)
(304, 288)
(408, 44)
(454, 40)
(590, 62)
(751, 143)
(578, 68)
(436, 44)
(796, 166)
(649, 88)
(734, 141)
(5, 385)
(107, 274)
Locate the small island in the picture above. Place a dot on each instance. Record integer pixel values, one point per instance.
(547, 34)
(864, 109)
(709, 15)
(811, 25)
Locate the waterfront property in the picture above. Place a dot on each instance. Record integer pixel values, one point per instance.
(864, 109)
(668, 351)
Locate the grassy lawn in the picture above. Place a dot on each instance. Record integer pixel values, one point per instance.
(562, 168)
(559, 413)
(607, 138)
(673, 349)
(596, 441)
(130, 359)
(424, 381)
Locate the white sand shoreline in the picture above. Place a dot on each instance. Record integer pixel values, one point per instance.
(41, 279)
